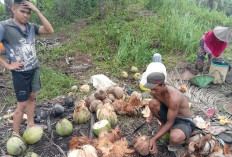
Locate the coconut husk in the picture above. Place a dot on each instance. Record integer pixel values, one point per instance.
(113, 136)
(81, 140)
(120, 148)
(226, 149)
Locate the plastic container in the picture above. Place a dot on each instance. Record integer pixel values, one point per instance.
(218, 69)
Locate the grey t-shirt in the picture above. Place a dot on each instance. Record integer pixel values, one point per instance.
(19, 44)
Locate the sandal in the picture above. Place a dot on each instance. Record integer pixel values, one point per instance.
(174, 148)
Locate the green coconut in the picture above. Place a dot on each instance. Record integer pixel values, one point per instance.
(134, 69)
(64, 127)
(102, 125)
(124, 74)
(82, 115)
(33, 135)
(31, 154)
(165, 136)
(15, 145)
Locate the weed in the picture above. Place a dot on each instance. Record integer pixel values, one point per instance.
(53, 83)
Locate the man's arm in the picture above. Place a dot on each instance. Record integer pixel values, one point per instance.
(171, 115)
(46, 27)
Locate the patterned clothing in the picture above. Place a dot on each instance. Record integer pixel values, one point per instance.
(20, 44)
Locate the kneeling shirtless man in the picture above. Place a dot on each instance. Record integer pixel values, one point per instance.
(171, 108)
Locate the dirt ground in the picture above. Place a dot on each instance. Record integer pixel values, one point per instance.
(82, 68)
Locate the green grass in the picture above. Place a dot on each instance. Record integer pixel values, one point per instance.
(53, 84)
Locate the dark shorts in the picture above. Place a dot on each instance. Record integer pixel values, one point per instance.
(26, 82)
(184, 124)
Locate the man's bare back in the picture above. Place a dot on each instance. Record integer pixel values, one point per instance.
(172, 96)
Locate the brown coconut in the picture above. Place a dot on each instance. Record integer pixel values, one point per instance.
(111, 97)
(94, 104)
(117, 92)
(89, 100)
(141, 145)
(100, 94)
(106, 100)
(117, 107)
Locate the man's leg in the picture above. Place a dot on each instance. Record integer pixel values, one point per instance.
(30, 110)
(177, 136)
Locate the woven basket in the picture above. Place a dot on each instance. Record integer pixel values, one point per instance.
(219, 72)
(202, 80)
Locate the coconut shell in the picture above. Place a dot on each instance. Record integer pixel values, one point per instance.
(141, 145)
(205, 149)
(76, 152)
(89, 151)
(117, 107)
(89, 100)
(93, 106)
(100, 95)
(216, 154)
(106, 100)
(196, 138)
(117, 92)
(193, 147)
(111, 97)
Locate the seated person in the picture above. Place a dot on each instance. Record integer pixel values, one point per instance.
(154, 66)
(171, 108)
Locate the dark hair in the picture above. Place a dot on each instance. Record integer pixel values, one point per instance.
(17, 2)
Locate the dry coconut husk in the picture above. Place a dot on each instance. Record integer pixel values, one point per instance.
(120, 148)
(113, 136)
(226, 149)
(79, 141)
(183, 88)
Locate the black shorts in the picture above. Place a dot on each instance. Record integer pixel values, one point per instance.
(184, 124)
(26, 82)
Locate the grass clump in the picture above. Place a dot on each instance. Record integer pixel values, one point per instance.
(53, 84)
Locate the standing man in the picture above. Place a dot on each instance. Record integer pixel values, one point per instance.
(171, 108)
(18, 38)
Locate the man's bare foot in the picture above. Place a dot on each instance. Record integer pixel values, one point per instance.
(31, 125)
(40, 125)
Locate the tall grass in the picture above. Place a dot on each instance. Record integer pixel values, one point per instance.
(182, 24)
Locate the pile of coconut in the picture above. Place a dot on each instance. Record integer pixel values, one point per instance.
(106, 104)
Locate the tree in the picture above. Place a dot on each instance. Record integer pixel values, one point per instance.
(8, 5)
